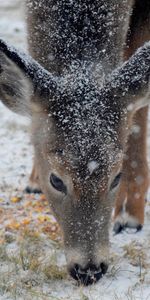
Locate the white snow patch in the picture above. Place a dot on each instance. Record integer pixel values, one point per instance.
(92, 166)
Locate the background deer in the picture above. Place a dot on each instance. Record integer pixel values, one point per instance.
(88, 118)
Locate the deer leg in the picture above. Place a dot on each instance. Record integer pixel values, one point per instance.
(129, 210)
(34, 184)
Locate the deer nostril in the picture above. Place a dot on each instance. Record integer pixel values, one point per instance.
(89, 275)
(104, 267)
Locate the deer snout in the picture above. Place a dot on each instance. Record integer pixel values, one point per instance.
(86, 268)
(89, 274)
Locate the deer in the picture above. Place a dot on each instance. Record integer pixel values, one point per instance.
(86, 88)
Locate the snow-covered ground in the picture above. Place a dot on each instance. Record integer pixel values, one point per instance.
(27, 245)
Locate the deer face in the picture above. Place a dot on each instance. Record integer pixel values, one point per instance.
(79, 153)
(79, 133)
(81, 188)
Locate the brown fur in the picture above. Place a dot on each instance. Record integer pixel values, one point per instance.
(34, 180)
(138, 34)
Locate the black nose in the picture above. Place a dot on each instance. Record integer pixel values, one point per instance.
(89, 275)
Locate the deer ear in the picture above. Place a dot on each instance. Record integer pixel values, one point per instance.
(21, 77)
(130, 84)
(15, 87)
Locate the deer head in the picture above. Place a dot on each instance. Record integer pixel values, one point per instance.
(79, 131)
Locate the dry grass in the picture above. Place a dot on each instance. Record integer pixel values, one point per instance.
(26, 265)
(136, 254)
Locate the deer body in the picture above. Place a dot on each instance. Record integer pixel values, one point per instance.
(92, 31)
(81, 114)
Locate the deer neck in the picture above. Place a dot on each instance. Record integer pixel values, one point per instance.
(83, 30)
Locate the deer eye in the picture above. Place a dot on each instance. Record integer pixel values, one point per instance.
(57, 183)
(116, 181)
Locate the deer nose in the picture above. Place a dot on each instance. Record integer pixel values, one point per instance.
(90, 274)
